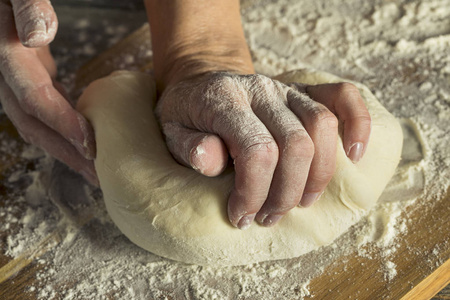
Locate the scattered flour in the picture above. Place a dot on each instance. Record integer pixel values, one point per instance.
(397, 48)
(391, 272)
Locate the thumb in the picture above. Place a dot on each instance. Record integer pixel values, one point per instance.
(36, 22)
(204, 152)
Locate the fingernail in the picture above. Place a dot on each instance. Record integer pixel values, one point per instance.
(83, 146)
(90, 177)
(309, 198)
(80, 148)
(270, 220)
(195, 159)
(246, 221)
(355, 152)
(36, 31)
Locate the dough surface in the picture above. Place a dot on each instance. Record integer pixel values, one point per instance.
(179, 214)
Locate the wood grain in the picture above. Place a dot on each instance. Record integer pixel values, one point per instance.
(27, 257)
(418, 273)
(431, 285)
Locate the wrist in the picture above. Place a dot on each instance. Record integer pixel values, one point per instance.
(197, 58)
(193, 37)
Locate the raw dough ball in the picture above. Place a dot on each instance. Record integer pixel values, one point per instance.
(177, 213)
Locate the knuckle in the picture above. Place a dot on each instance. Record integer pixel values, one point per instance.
(261, 148)
(252, 203)
(285, 205)
(324, 119)
(221, 95)
(299, 87)
(363, 119)
(322, 177)
(220, 83)
(347, 88)
(259, 79)
(280, 206)
(299, 144)
(263, 87)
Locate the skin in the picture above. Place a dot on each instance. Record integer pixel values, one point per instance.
(281, 138)
(31, 98)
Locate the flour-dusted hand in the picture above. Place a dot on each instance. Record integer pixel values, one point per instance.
(28, 93)
(282, 139)
(282, 142)
(344, 101)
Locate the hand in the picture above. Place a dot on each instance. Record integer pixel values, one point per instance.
(28, 92)
(282, 140)
(283, 143)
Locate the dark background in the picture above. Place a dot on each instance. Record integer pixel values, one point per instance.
(87, 28)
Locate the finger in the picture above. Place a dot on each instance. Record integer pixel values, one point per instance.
(47, 60)
(60, 88)
(254, 152)
(322, 126)
(36, 22)
(35, 132)
(345, 101)
(38, 97)
(255, 156)
(296, 153)
(206, 153)
(250, 144)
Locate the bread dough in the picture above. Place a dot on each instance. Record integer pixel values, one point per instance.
(179, 214)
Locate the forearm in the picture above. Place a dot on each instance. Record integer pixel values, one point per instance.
(191, 37)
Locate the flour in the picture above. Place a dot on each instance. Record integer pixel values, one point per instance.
(390, 272)
(399, 49)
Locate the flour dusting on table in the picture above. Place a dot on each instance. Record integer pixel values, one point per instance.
(399, 49)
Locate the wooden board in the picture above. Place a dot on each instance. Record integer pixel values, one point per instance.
(421, 273)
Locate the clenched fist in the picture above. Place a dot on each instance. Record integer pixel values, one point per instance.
(282, 139)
